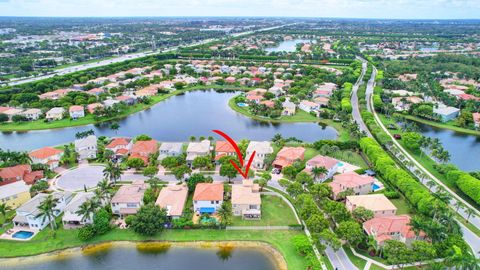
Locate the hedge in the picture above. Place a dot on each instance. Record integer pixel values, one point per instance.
(466, 183)
(414, 192)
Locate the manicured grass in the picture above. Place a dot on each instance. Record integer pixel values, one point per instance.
(402, 206)
(46, 242)
(275, 212)
(343, 134)
(357, 261)
(300, 116)
(344, 155)
(448, 125)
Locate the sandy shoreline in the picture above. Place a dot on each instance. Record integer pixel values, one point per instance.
(270, 252)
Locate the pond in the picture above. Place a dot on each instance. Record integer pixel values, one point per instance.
(176, 258)
(463, 148)
(287, 45)
(194, 113)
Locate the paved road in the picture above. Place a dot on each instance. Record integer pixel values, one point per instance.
(354, 100)
(472, 239)
(125, 57)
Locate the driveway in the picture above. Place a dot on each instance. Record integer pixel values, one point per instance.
(76, 179)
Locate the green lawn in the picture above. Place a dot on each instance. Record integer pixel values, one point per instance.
(402, 206)
(275, 212)
(357, 261)
(45, 241)
(344, 155)
(447, 125)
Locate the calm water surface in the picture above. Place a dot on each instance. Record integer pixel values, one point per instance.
(287, 45)
(173, 259)
(176, 119)
(463, 148)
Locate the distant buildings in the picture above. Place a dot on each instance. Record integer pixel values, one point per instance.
(55, 114)
(446, 113)
(86, 147)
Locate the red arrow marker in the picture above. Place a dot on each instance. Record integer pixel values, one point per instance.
(239, 155)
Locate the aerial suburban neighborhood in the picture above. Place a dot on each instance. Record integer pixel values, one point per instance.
(285, 137)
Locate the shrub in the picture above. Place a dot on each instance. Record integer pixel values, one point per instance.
(86, 233)
(391, 194)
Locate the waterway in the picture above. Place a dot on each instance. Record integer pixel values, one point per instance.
(194, 113)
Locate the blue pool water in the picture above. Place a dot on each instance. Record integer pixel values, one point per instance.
(241, 104)
(22, 235)
(375, 187)
(340, 164)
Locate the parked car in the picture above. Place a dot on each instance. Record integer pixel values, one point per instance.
(397, 136)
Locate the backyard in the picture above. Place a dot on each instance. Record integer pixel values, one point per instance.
(275, 212)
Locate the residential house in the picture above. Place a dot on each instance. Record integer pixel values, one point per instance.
(120, 146)
(54, 95)
(91, 108)
(224, 148)
(170, 150)
(19, 173)
(308, 106)
(48, 156)
(392, 228)
(129, 100)
(321, 101)
(407, 77)
(28, 214)
(254, 98)
(268, 103)
(128, 199)
(143, 150)
(359, 184)
(404, 103)
(476, 119)
(287, 156)
(319, 161)
(55, 113)
(72, 220)
(95, 91)
(377, 203)
(14, 194)
(261, 149)
(246, 200)
(86, 147)
(446, 113)
(108, 103)
(208, 197)
(12, 112)
(289, 108)
(172, 198)
(76, 112)
(197, 149)
(257, 92)
(32, 114)
(277, 91)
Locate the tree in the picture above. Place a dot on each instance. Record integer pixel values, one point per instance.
(201, 162)
(304, 179)
(46, 210)
(317, 223)
(290, 172)
(351, 232)
(112, 172)
(180, 171)
(372, 245)
(470, 213)
(136, 163)
(150, 171)
(412, 140)
(143, 137)
(397, 253)
(101, 221)
(196, 178)
(331, 239)
(4, 208)
(361, 214)
(423, 251)
(302, 245)
(149, 219)
(228, 170)
(318, 171)
(225, 213)
(294, 189)
(87, 209)
(171, 162)
(102, 193)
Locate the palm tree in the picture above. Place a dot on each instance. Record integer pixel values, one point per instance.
(46, 210)
(112, 172)
(154, 183)
(458, 205)
(318, 171)
(430, 184)
(102, 193)
(4, 208)
(372, 245)
(87, 209)
(225, 213)
(470, 213)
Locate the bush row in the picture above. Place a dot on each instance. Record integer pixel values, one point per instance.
(466, 183)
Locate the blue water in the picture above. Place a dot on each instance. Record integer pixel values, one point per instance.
(22, 235)
(340, 164)
(375, 187)
(241, 104)
(287, 45)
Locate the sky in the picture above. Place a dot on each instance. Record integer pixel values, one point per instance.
(388, 9)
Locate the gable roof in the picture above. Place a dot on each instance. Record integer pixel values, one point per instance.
(118, 141)
(224, 146)
(208, 192)
(45, 152)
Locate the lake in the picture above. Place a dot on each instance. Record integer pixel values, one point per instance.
(176, 258)
(194, 113)
(463, 148)
(287, 45)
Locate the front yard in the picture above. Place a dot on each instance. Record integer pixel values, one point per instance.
(275, 212)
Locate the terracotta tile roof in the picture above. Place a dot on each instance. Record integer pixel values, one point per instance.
(144, 148)
(20, 172)
(288, 155)
(45, 152)
(75, 108)
(322, 161)
(118, 141)
(130, 193)
(374, 202)
(383, 227)
(173, 198)
(352, 179)
(224, 146)
(208, 192)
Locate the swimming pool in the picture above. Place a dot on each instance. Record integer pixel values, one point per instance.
(340, 164)
(377, 186)
(242, 104)
(22, 235)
